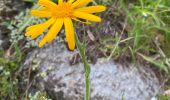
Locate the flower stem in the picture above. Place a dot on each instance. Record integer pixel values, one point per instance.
(82, 48)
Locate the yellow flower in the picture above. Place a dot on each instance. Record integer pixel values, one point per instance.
(62, 14)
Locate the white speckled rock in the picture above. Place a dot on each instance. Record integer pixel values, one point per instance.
(109, 81)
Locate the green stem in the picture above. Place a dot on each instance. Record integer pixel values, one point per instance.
(82, 48)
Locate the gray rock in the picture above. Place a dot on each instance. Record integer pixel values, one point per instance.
(109, 81)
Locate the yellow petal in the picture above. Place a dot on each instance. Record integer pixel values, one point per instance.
(53, 32)
(71, 1)
(33, 27)
(30, 33)
(87, 16)
(35, 30)
(49, 22)
(80, 3)
(92, 9)
(69, 29)
(44, 9)
(39, 13)
(76, 19)
(47, 3)
(60, 1)
(42, 25)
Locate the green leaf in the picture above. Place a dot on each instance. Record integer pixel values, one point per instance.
(158, 63)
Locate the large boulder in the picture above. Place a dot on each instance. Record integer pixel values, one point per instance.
(63, 80)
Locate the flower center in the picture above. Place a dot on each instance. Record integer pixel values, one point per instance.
(63, 10)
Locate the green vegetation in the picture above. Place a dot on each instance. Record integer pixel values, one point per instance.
(9, 66)
(147, 39)
(149, 29)
(162, 97)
